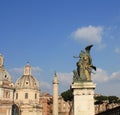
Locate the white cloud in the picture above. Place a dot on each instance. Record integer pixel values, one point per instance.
(101, 78)
(107, 84)
(100, 75)
(65, 78)
(90, 34)
(117, 50)
(18, 72)
(45, 86)
(115, 75)
(36, 71)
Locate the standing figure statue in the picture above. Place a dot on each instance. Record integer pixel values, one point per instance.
(84, 66)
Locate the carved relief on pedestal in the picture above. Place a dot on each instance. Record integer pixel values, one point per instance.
(83, 92)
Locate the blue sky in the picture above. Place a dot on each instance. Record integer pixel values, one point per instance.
(48, 33)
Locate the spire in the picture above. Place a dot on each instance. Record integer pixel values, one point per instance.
(55, 80)
(1, 60)
(27, 69)
(55, 74)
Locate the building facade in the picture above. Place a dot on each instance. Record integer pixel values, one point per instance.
(27, 93)
(64, 108)
(21, 98)
(6, 90)
(47, 102)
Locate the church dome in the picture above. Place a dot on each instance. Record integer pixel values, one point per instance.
(27, 81)
(4, 75)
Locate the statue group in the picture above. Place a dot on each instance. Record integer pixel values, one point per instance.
(84, 66)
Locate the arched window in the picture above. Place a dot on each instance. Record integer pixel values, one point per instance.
(15, 110)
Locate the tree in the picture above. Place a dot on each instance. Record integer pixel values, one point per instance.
(67, 95)
(113, 99)
(107, 99)
(100, 99)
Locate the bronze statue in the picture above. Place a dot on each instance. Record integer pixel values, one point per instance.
(84, 66)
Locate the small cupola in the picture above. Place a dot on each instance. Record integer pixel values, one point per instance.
(27, 69)
(1, 61)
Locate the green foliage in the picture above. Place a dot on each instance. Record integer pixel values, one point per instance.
(118, 101)
(109, 99)
(113, 99)
(100, 99)
(67, 95)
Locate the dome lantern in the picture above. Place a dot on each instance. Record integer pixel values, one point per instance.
(27, 69)
(1, 60)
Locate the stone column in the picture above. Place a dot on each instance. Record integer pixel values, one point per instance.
(55, 95)
(83, 103)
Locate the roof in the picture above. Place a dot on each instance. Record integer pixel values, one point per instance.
(27, 81)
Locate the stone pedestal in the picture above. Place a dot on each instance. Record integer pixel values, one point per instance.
(83, 98)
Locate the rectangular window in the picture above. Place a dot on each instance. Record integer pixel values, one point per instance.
(26, 95)
(35, 95)
(16, 95)
(6, 94)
